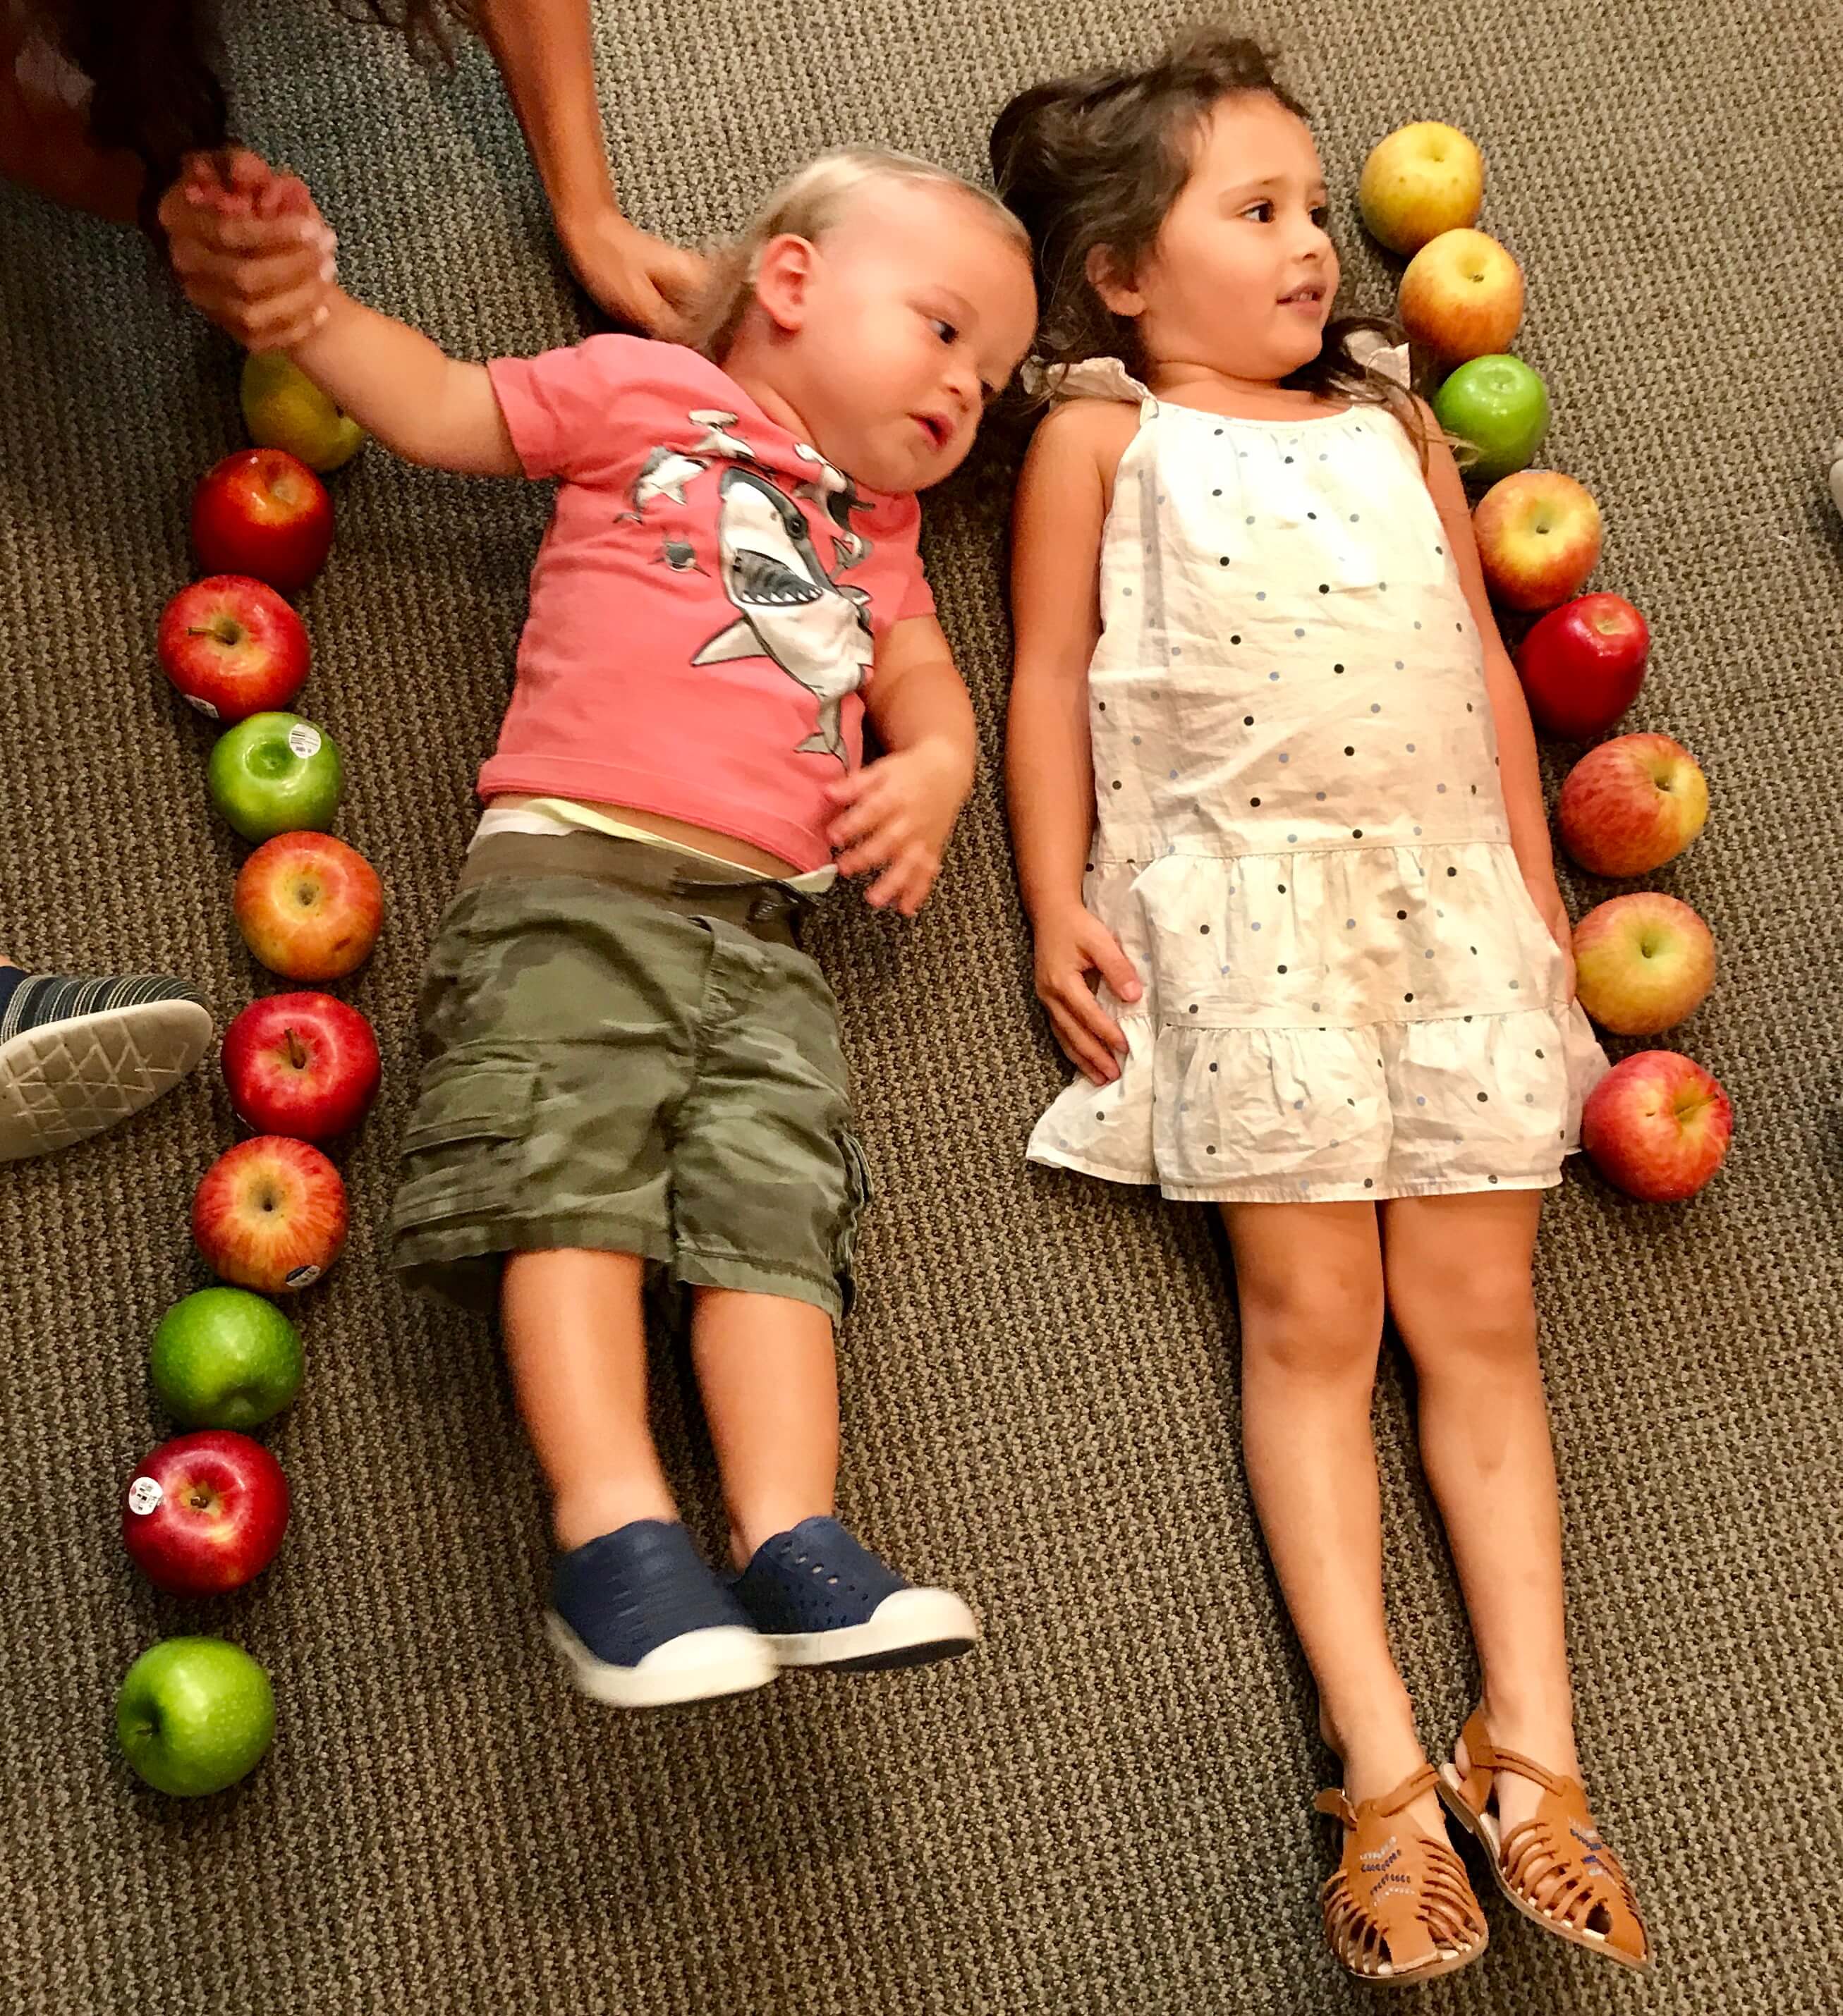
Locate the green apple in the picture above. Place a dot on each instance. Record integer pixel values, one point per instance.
(276, 773)
(194, 1715)
(224, 1359)
(1500, 407)
(283, 408)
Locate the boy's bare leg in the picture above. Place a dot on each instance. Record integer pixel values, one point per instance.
(768, 1374)
(576, 1341)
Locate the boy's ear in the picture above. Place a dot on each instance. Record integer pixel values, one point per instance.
(1117, 295)
(784, 279)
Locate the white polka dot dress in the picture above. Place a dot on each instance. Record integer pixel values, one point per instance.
(1300, 841)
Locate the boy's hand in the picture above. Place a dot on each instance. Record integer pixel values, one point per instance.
(1071, 943)
(896, 814)
(250, 250)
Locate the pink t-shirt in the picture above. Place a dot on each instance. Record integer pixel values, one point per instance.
(706, 603)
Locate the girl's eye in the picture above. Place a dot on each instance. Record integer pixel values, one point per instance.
(1321, 215)
(1262, 212)
(945, 330)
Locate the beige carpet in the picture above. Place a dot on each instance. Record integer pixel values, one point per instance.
(1106, 1810)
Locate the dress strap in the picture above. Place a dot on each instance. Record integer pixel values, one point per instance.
(1093, 378)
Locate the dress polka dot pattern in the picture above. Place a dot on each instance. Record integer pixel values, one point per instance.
(1300, 841)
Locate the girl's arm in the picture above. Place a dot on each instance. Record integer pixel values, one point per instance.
(1063, 500)
(422, 404)
(1519, 772)
(896, 814)
(546, 57)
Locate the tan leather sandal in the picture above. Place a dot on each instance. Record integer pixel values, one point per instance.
(1400, 1910)
(1555, 1868)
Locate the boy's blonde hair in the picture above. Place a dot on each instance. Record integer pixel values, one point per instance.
(808, 205)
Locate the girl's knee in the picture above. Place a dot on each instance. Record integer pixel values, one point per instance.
(1312, 1323)
(1460, 1304)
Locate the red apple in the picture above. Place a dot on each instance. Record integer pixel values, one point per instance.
(1631, 805)
(269, 1215)
(1642, 964)
(309, 907)
(1462, 297)
(1657, 1126)
(1582, 665)
(1538, 537)
(233, 646)
(262, 511)
(302, 1065)
(204, 1513)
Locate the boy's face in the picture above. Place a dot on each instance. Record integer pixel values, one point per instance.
(913, 314)
(1242, 277)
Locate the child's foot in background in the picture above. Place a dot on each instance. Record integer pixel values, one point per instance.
(1835, 459)
(77, 1054)
(820, 1598)
(644, 1623)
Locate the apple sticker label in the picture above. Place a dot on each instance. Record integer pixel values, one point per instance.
(203, 706)
(301, 1277)
(304, 738)
(144, 1495)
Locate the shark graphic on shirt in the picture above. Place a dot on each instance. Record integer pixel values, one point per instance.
(664, 474)
(836, 495)
(790, 609)
(718, 442)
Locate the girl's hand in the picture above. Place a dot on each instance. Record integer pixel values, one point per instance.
(250, 250)
(1071, 943)
(1554, 914)
(896, 815)
(640, 280)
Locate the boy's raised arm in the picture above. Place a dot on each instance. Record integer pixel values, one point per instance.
(400, 385)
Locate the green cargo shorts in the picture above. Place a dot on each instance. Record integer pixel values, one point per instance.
(623, 1054)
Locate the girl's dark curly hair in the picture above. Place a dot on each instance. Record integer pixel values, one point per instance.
(1096, 162)
(154, 66)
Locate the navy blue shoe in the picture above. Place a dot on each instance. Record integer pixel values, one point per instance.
(644, 1622)
(819, 1599)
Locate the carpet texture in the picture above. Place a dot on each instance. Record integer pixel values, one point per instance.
(1107, 1808)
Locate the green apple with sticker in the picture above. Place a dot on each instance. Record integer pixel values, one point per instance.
(276, 773)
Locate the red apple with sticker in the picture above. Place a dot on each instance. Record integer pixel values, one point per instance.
(1631, 805)
(204, 1513)
(302, 1065)
(263, 512)
(1582, 665)
(1657, 1126)
(1461, 297)
(308, 906)
(1538, 535)
(1642, 964)
(270, 1214)
(232, 647)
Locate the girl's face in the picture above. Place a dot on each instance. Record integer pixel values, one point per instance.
(1241, 278)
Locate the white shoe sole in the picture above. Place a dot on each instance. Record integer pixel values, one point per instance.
(66, 1081)
(697, 1666)
(909, 1628)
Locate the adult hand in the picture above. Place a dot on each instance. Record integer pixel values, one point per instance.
(251, 252)
(1071, 943)
(639, 279)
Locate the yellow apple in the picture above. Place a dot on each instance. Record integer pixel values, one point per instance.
(1462, 297)
(1422, 180)
(283, 408)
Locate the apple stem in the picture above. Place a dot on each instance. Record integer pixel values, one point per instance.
(297, 1055)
